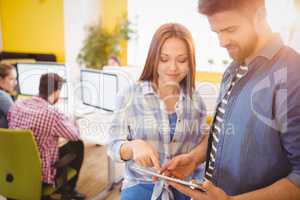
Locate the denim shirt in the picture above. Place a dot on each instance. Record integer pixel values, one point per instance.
(260, 138)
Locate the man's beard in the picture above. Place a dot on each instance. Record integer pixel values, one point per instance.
(241, 54)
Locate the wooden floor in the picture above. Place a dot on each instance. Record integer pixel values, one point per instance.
(93, 175)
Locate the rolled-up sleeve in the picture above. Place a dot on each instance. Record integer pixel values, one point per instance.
(119, 129)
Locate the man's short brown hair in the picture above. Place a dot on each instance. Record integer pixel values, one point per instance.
(50, 83)
(210, 7)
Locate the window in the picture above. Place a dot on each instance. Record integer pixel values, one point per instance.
(147, 16)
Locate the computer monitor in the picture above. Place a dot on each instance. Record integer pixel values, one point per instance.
(99, 89)
(29, 77)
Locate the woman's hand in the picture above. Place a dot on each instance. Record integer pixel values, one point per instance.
(144, 154)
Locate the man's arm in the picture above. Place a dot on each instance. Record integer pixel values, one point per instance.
(63, 127)
(200, 151)
(184, 165)
(283, 189)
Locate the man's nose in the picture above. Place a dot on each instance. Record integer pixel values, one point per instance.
(223, 40)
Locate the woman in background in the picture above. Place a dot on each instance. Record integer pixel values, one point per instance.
(159, 118)
(113, 61)
(8, 83)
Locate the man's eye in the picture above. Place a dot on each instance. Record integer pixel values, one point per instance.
(231, 30)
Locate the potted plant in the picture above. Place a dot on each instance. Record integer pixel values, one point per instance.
(101, 43)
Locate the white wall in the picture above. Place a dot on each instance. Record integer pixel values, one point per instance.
(149, 15)
(294, 32)
(78, 16)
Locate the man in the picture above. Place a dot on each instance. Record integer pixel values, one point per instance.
(47, 125)
(254, 145)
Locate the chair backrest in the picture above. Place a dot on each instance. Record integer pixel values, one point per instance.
(20, 165)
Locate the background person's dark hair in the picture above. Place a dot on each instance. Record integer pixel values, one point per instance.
(5, 69)
(210, 7)
(50, 83)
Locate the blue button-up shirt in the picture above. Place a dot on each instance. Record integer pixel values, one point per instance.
(260, 138)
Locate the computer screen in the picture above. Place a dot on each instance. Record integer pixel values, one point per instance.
(99, 89)
(29, 77)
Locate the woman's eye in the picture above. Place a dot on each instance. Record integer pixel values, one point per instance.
(163, 59)
(182, 60)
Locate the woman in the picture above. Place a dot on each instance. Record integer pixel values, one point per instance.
(8, 83)
(113, 61)
(160, 117)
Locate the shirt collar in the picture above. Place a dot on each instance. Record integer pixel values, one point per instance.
(271, 48)
(148, 90)
(37, 98)
(268, 51)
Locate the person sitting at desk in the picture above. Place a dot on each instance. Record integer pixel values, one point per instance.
(47, 125)
(113, 61)
(161, 117)
(8, 83)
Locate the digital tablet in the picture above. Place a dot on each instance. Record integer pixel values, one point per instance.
(151, 171)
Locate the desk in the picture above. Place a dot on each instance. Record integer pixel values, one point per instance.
(93, 125)
(93, 129)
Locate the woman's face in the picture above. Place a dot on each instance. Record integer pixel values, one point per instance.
(173, 65)
(8, 83)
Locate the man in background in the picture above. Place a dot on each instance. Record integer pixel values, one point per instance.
(48, 125)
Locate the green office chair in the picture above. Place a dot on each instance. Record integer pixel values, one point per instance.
(20, 167)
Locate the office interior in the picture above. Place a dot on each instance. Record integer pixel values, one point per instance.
(41, 36)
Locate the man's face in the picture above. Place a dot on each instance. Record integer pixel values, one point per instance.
(54, 98)
(236, 33)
